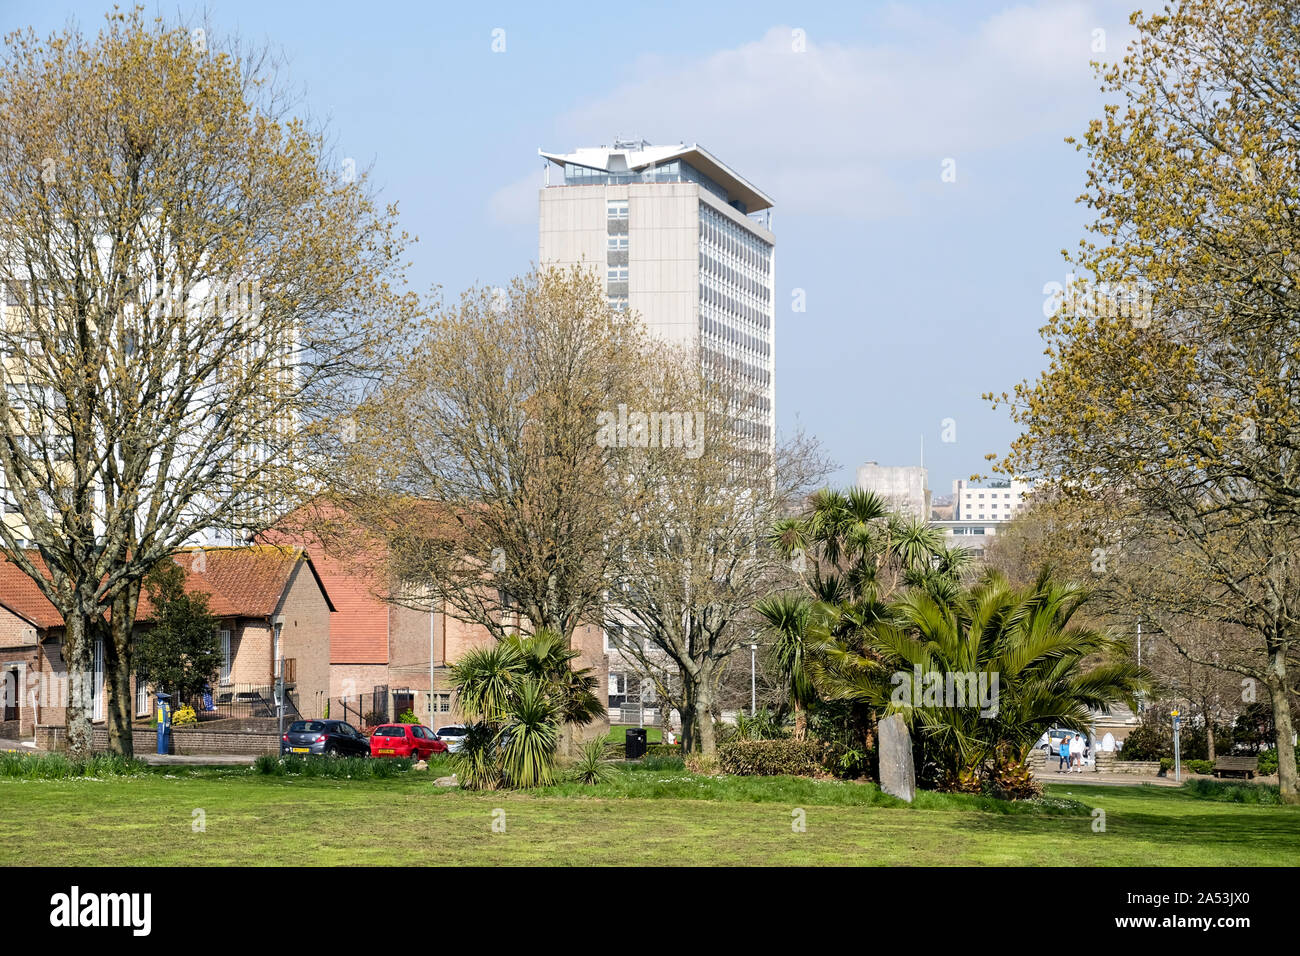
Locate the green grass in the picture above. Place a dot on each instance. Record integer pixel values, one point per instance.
(641, 816)
(618, 735)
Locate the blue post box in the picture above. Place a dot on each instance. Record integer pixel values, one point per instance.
(164, 723)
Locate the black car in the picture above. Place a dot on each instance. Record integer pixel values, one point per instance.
(335, 737)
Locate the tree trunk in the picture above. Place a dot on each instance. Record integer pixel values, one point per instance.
(78, 640)
(1209, 734)
(1283, 728)
(117, 670)
(800, 721)
(704, 717)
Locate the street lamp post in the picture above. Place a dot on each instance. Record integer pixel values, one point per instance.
(753, 679)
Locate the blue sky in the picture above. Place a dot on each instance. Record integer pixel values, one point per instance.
(921, 294)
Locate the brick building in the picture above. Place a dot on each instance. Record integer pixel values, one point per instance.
(376, 643)
(270, 604)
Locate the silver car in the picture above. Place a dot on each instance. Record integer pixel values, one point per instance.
(453, 737)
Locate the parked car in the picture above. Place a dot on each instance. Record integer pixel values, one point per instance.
(453, 737)
(332, 737)
(405, 740)
(1051, 741)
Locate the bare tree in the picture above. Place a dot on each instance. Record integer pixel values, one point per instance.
(192, 291)
(697, 560)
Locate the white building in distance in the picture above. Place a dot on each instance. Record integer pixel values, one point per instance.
(988, 501)
(906, 488)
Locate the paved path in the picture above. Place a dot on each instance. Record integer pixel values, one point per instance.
(1105, 779)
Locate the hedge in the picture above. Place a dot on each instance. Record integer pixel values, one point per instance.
(769, 758)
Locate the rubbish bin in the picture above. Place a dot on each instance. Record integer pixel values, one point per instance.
(164, 723)
(635, 743)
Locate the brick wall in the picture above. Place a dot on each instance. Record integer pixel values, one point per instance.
(186, 742)
(305, 635)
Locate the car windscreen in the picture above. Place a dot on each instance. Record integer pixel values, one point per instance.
(390, 732)
(306, 727)
(451, 732)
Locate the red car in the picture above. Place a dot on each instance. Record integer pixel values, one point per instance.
(405, 740)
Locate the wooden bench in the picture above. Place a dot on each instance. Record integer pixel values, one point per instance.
(1236, 766)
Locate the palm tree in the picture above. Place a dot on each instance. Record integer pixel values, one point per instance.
(1016, 647)
(856, 553)
(787, 620)
(517, 696)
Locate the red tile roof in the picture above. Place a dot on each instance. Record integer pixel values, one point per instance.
(246, 581)
(19, 594)
(359, 629)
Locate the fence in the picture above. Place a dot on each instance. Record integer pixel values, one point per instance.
(379, 705)
(241, 700)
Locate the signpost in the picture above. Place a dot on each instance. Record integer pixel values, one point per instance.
(1178, 762)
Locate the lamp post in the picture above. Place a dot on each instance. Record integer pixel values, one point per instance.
(753, 679)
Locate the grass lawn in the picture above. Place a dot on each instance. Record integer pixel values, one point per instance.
(646, 816)
(618, 735)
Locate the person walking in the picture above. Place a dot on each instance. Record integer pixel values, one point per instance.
(1064, 751)
(1076, 753)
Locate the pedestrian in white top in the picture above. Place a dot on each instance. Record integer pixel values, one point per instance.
(1076, 753)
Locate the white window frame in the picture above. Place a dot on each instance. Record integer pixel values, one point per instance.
(227, 658)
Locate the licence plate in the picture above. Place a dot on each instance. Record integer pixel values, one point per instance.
(300, 750)
(389, 750)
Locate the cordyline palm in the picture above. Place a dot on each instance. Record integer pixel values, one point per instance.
(1023, 636)
(847, 539)
(516, 695)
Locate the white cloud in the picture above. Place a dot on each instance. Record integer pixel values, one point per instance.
(844, 129)
(516, 203)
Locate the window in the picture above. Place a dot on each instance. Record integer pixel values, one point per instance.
(141, 696)
(617, 243)
(225, 656)
(616, 209)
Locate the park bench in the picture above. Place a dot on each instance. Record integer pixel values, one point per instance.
(1236, 766)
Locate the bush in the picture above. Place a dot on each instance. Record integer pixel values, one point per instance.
(700, 764)
(375, 718)
(61, 767)
(337, 768)
(1200, 766)
(764, 725)
(592, 766)
(408, 717)
(184, 715)
(1225, 791)
(1268, 761)
(767, 758)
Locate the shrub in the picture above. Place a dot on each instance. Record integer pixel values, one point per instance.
(1010, 779)
(336, 768)
(764, 725)
(375, 718)
(408, 717)
(766, 758)
(184, 715)
(1268, 762)
(1225, 791)
(592, 766)
(700, 764)
(1200, 766)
